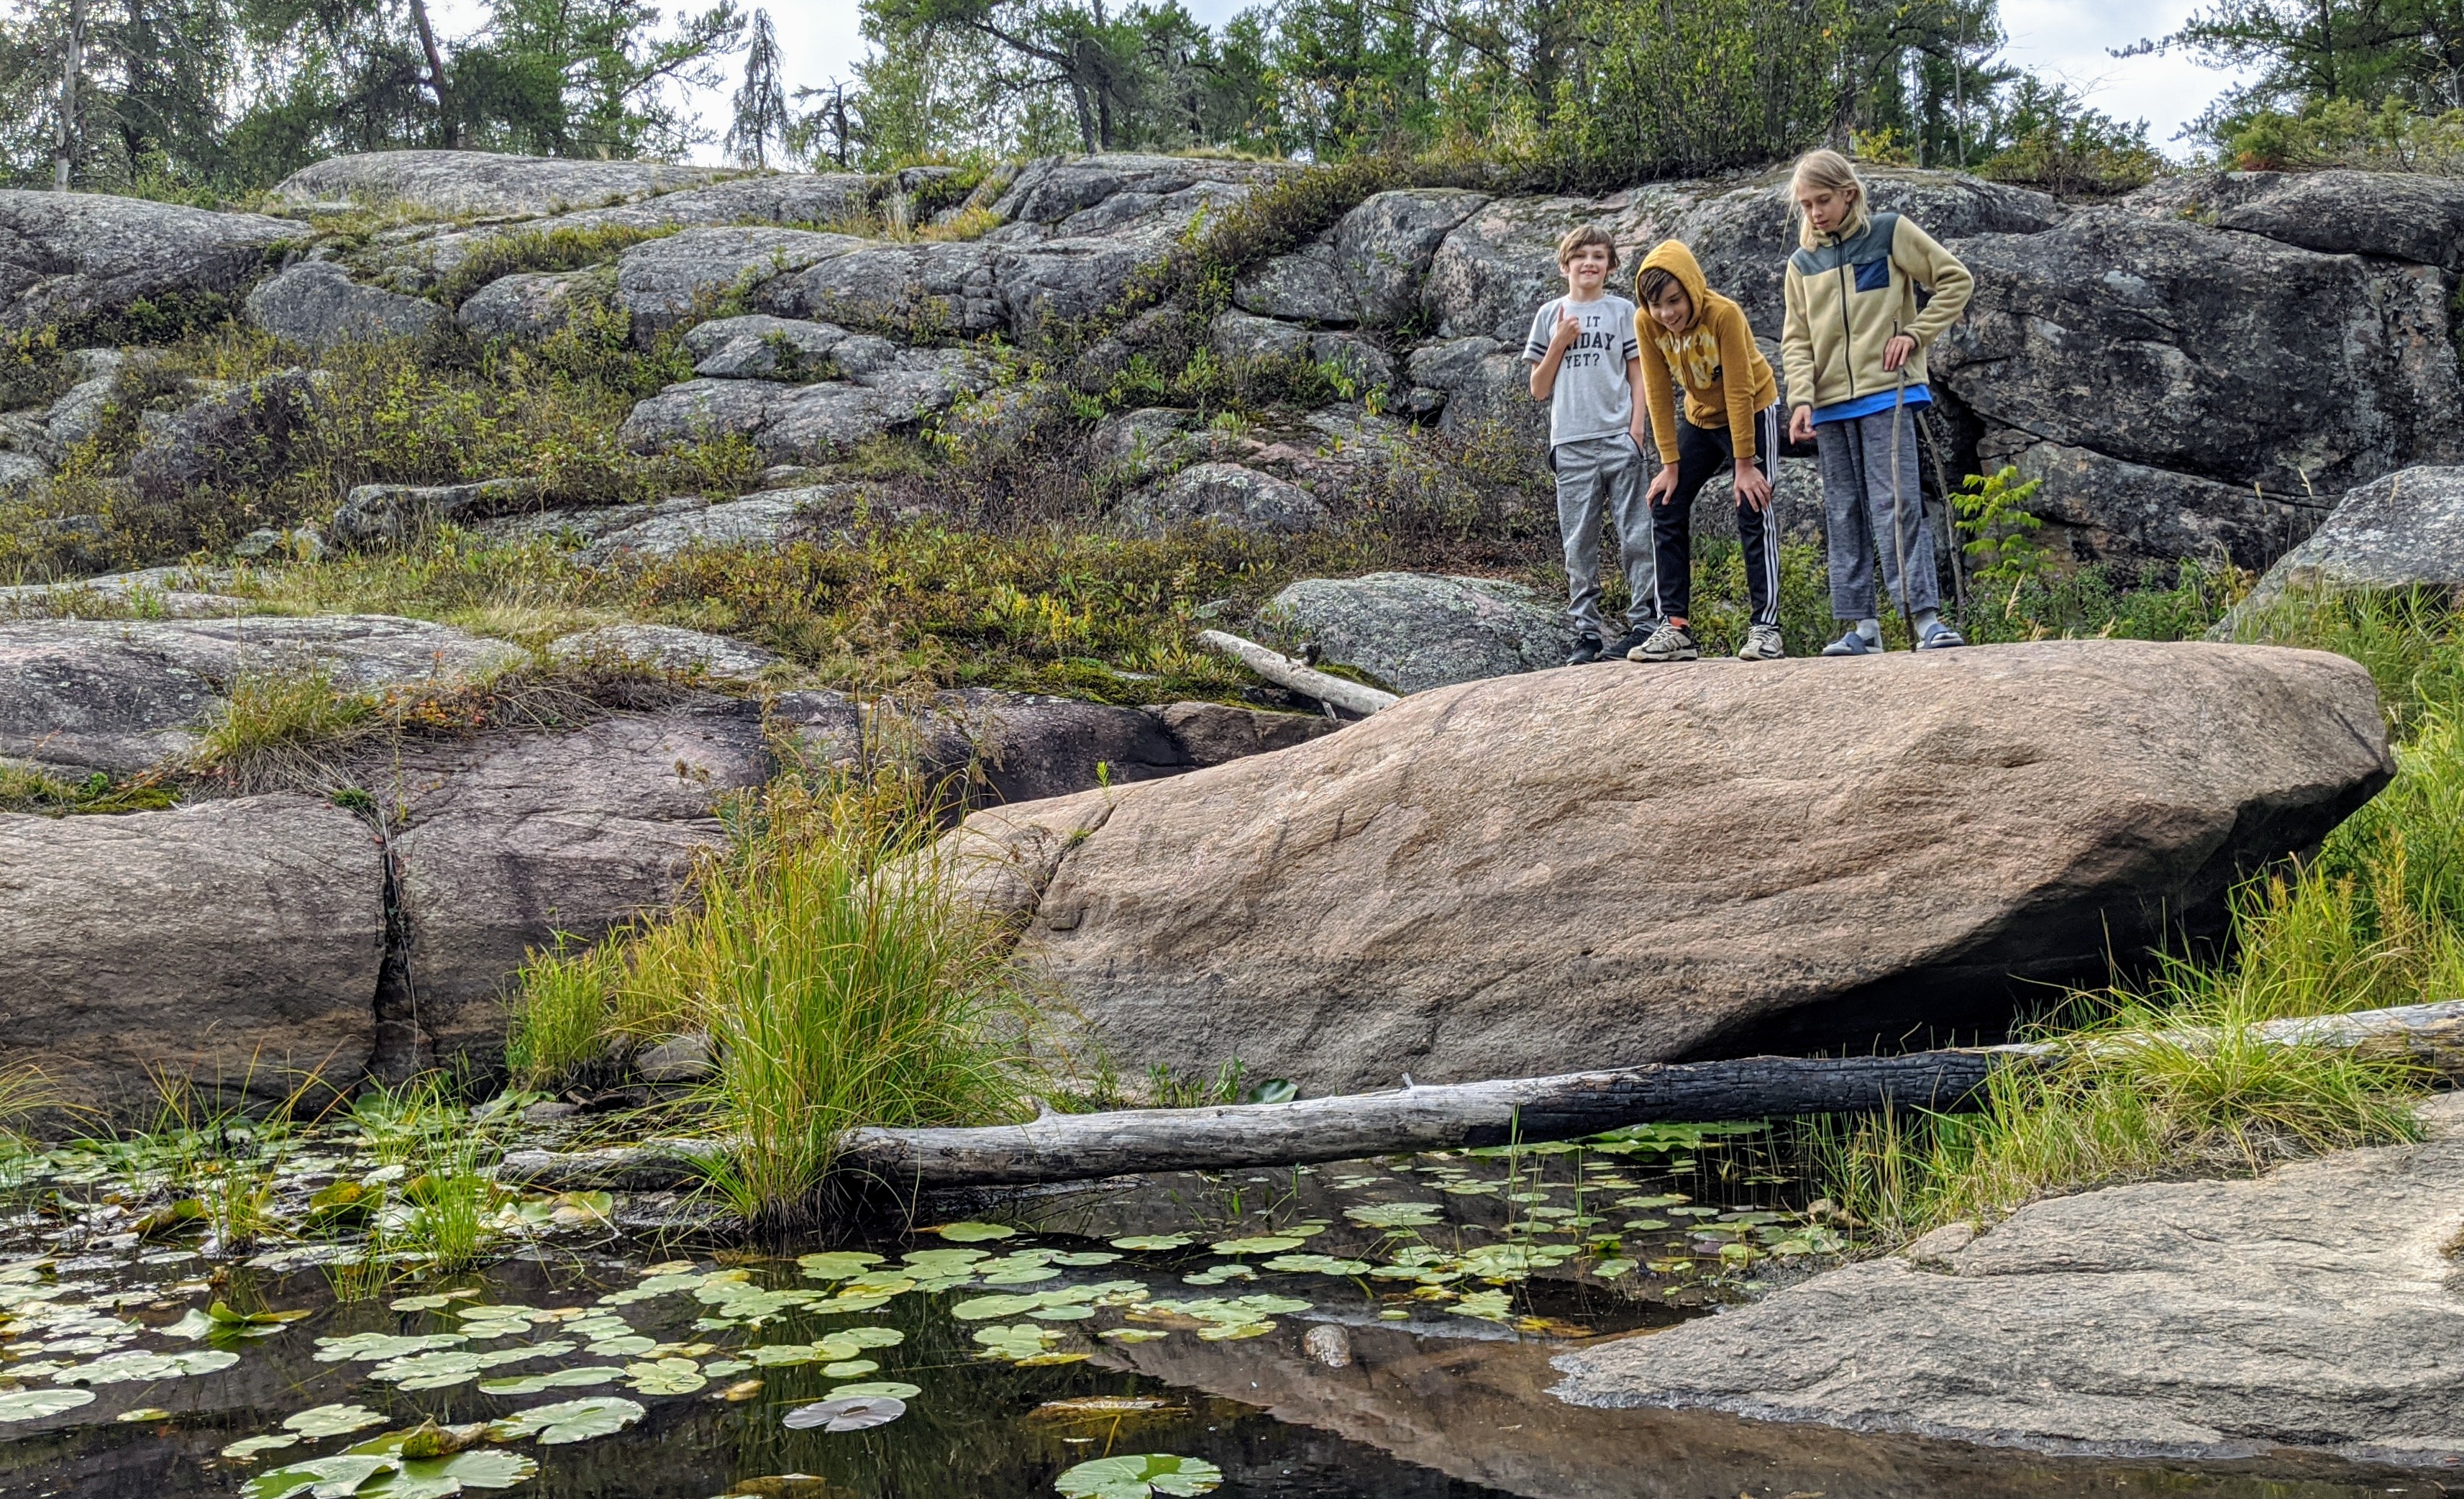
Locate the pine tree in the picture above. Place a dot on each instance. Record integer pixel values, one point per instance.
(761, 100)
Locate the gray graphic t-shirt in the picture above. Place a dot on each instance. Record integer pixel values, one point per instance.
(1592, 397)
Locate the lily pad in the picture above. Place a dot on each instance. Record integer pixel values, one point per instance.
(35, 1405)
(1396, 1215)
(332, 1421)
(271, 1442)
(571, 1421)
(1016, 1341)
(877, 1389)
(1154, 1241)
(428, 1303)
(123, 1368)
(131, 1417)
(623, 1346)
(553, 1380)
(664, 1376)
(1264, 1244)
(972, 1233)
(378, 1347)
(846, 1413)
(1317, 1265)
(394, 1476)
(838, 1266)
(1138, 1477)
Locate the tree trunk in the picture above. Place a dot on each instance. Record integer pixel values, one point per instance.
(1079, 1147)
(72, 61)
(436, 84)
(1086, 112)
(1284, 672)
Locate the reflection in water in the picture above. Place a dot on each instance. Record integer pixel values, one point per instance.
(1410, 1416)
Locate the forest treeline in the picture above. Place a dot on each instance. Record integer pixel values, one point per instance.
(215, 99)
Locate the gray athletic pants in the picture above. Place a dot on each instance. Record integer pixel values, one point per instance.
(1857, 515)
(1597, 476)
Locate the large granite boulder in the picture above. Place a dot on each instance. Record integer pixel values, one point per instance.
(1227, 494)
(234, 438)
(1418, 631)
(233, 943)
(511, 842)
(1485, 385)
(2315, 1307)
(2272, 373)
(890, 390)
(763, 520)
(70, 257)
(389, 515)
(316, 305)
(762, 347)
(662, 647)
(528, 307)
(1384, 246)
(119, 696)
(2413, 216)
(782, 198)
(447, 182)
(1833, 855)
(681, 277)
(2405, 530)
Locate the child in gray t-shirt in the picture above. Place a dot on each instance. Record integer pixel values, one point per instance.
(1587, 363)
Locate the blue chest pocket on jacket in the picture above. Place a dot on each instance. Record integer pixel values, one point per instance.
(1874, 276)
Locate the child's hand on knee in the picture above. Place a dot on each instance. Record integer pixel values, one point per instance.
(1753, 489)
(1662, 484)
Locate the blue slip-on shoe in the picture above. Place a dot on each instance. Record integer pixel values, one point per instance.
(1853, 644)
(1939, 636)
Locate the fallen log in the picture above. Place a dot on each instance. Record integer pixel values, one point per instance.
(1297, 675)
(1080, 1147)
(1075, 1147)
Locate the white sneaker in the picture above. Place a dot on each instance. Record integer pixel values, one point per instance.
(1762, 644)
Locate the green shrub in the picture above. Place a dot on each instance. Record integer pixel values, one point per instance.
(561, 247)
(2344, 132)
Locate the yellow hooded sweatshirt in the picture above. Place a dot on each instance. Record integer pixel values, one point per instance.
(1726, 377)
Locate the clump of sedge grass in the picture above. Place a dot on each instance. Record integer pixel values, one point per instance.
(2173, 1074)
(840, 974)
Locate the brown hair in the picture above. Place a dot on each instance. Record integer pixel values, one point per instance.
(1825, 169)
(1653, 283)
(1580, 235)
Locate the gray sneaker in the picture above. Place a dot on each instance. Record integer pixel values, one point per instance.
(1762, 644)
(1667, 643)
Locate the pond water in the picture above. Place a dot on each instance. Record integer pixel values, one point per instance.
(1376, 1329)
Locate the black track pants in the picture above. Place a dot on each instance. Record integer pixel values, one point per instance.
(1703, 455)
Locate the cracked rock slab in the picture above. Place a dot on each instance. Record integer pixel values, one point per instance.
(119, 696)
(2315, 1307)
(511, 840)
(235, 943)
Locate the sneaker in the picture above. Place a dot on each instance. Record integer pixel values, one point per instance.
(1623, 647)
(1587, 650)
(1762, 644)
(1667, 643)
(1938, 636)
(1853, 644)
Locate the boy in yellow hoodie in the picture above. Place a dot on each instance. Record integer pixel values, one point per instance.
(1732, 421)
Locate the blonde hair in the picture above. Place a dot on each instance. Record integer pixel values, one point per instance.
(1580, 235)
(1825, 169)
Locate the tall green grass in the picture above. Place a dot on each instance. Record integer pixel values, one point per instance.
(841, 976)
(2167, 1074)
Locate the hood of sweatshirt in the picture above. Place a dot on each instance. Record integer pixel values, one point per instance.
(1672, 257)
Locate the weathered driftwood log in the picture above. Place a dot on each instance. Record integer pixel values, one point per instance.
(1078, 1147)
(1299, 676)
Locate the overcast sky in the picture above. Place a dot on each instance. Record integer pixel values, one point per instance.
(2065, 39)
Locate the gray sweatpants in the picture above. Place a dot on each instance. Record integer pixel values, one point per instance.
(1599, 474)
(1857, 515)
